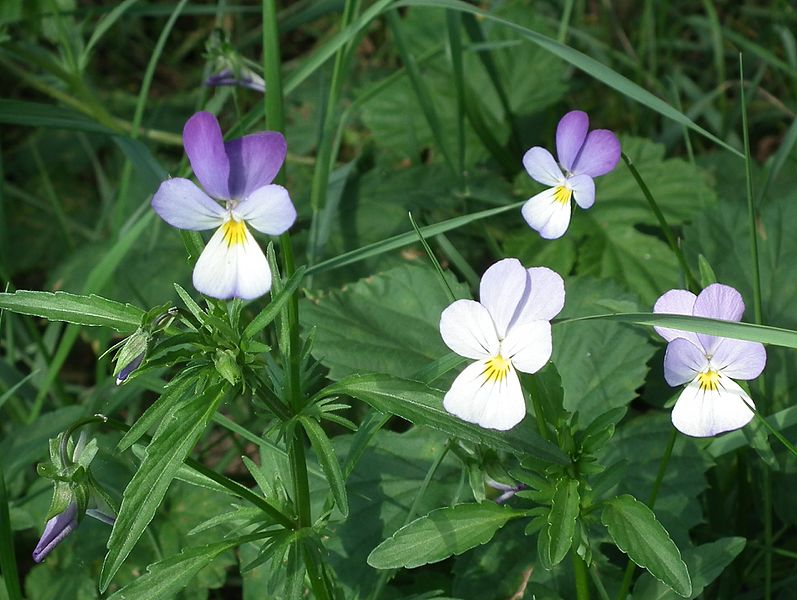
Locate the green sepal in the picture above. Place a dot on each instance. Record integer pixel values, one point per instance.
(227, 365)
(134, 347)
(707, 276)
(82, 493)
(62, 498)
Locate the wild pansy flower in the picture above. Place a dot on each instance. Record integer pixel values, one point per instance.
(712, 402)
(509, 329)
(582, 156)
(237, 173)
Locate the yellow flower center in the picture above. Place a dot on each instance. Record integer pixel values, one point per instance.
(496, 369)
(562, 194)
(709, 381)
(234, 232)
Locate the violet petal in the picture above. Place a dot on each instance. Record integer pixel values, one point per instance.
(570, 135)
(254, 161)
(717, 301)
(182, 204)
(205, 148)
(683, 361)
(599, 154)
(55, 531)
(739, 359)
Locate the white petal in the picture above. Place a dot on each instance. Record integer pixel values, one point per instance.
(268, 209)
(528, 345)
(547, 215)
(502, 288)
(232, 268)
(583, 187)
(703, 413)
(545, 297)
(467, 328)
(182, 204)
(542, 167)
(490, 404)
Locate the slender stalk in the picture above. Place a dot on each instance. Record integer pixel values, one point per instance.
(757, 312)
(786, 443)
(582, 581)
(275, 120)
(654, 493)
(8, 561)
(663, 225)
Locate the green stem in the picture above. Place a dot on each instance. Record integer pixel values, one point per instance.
(8, 561)
(663, 225)
(582, 577)
(758, 315)
(786, 443)
(275, 120)
(654, 493)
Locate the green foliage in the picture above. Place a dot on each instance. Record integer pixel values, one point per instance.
(442, 533)
(81, 310)
(635, 530)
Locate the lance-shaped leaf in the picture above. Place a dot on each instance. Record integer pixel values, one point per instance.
(165, 455)
(81, 310)
(562, 519)
(637, 532)
(442, 533)
(329, 462)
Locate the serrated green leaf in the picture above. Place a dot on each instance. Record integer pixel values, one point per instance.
(561, 523)
(423, 405)
(73, 308)
(442, 533)
(637, 532)
(165, 454)
(170, 399)
(387, 323)
(329, 462)
(166, 577)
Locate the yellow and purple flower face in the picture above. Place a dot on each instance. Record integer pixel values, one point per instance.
(712, 402)
(238, 175)
(583, 155)
(508, 330)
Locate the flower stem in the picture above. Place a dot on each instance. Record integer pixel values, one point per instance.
(8, 561)
(654, 493)
(582, 581)
(691, 282)
(758, 315)
(275, 119)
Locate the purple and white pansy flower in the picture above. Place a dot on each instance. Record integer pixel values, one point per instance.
(508, 330)
(583, 155)
(238, 175)
(712, 402)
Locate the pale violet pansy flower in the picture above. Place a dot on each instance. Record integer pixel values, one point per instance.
(508, 330)
(712, 402)
(583, 155)
(238, 174)
(56, 531)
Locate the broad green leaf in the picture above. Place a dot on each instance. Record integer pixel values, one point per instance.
(706, 562)
(82, 310)
(329, 462)
(382, 489)
(562, 519)
(387, 323)
(166, 577)
(423, 405)
(442, 533)
(601, 364)
(635, 530)
(165, 454)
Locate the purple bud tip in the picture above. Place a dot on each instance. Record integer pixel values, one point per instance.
(131, 366)
(55, 532)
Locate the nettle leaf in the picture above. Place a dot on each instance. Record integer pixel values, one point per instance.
(442, 533)
(165, 455)
(706, 562)
(382, 488)
(601, 364)
(562, 520)
(635, 530)
(81, 310)
(423, 405)
(387, 323)
(172, 574)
